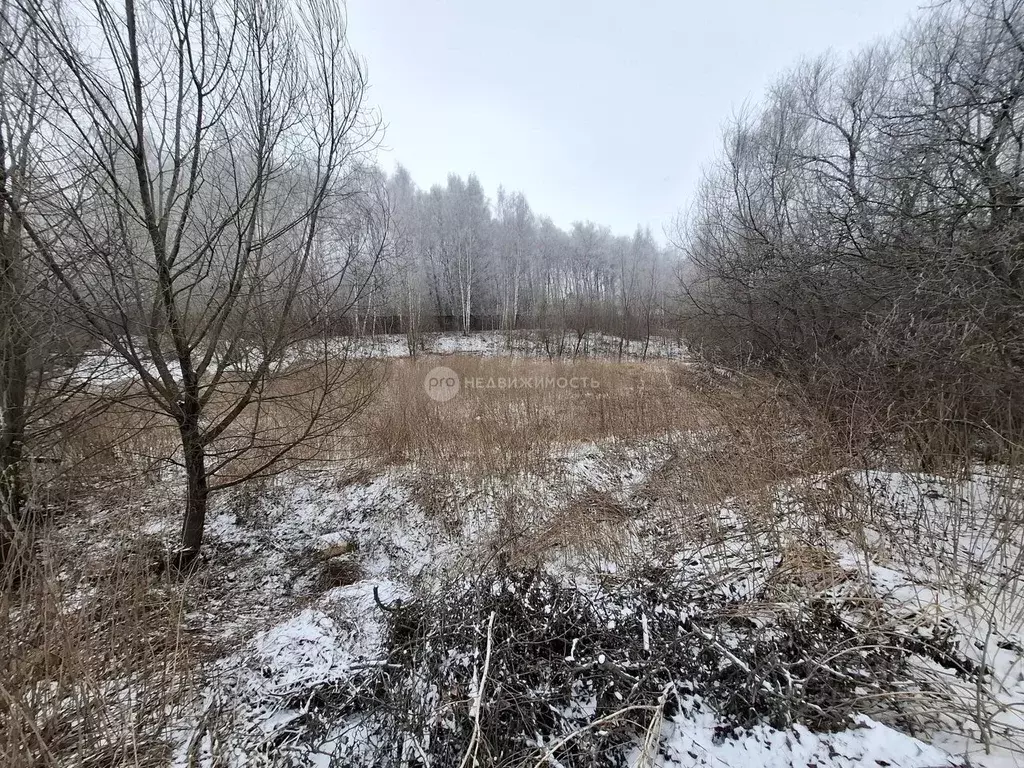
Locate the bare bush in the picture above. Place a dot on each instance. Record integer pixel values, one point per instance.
(861, 231)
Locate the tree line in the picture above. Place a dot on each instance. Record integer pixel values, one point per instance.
(462, 263)
(863, 229)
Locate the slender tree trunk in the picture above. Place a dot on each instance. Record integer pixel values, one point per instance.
(410, 325)
(647, 337)
(14, 324)
(13, 373)
(197, 491)
(13, 400)
(515, 307)
(12, 431)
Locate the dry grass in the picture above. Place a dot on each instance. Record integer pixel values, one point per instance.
(725, 436)
(94, 663)
(499, 429)
(593, 527)
(730, 436)
(300, 417)
(493, 430)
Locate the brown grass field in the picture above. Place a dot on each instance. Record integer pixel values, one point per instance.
(97, 657)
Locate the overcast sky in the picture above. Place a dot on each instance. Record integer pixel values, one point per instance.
(601, 109)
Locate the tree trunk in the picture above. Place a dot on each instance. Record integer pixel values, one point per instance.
(197, 491)
(12, 435)
(14, 349)
(647, 337)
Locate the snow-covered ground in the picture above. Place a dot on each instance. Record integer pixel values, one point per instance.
(689, 738)
(937, 558)
(304, 573)
(523, 344)
(104, 369)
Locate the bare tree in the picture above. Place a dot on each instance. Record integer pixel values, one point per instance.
(35, 384)
(410, 279)
(17, 119)
(212, 215)
(863, 227)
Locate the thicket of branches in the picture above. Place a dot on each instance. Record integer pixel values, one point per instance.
(516, 669)
(863, 228)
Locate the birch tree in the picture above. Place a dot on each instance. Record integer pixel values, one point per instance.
(515, 240)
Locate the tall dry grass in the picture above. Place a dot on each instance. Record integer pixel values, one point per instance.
(299, 418)
(495, 428)
(723, 436)
(95, 664)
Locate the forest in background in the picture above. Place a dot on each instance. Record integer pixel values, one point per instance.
(461, 262)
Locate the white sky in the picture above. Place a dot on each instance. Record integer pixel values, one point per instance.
(603, 110)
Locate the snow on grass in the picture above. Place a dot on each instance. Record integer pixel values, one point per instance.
(104, 369)
(935, 554)
(693, 738)
(473, 344)
(267, 546)
(265, 695)
(523, 344)
(946, 553)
